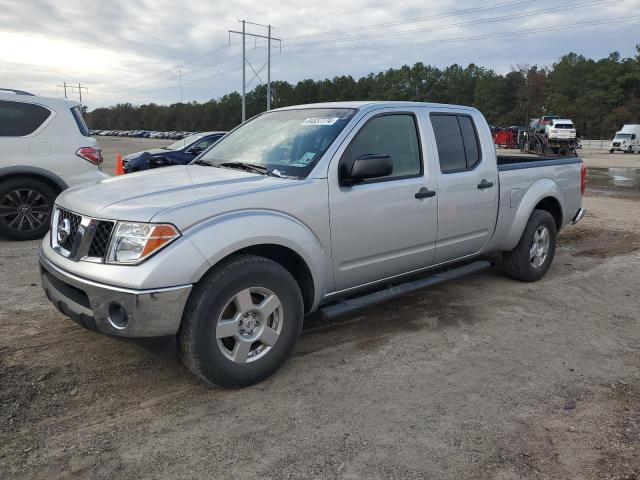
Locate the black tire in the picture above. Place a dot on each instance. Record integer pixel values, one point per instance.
(518, 263)
(25, 208)
(611, 151)
(199, 347)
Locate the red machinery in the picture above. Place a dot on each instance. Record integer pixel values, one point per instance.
(506, 138)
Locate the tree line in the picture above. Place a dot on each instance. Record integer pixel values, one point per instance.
(598, 95)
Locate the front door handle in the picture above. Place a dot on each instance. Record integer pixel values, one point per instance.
(484, 184)
(425, 193)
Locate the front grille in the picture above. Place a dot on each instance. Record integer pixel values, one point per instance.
(100, 241)
(88, 238)
(74, 222)
(616, 144)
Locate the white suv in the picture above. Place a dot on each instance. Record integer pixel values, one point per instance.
(45, 147)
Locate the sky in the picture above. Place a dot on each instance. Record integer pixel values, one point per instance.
(136, 51)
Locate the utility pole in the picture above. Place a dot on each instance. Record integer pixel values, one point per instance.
(269, 70)
(64, 85)
(180, 82)
(80, 88)
(244, 76)
(246, 62)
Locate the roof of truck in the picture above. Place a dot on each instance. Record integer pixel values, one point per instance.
(371, 104)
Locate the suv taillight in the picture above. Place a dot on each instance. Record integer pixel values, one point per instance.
(90, 154)
(583, 178)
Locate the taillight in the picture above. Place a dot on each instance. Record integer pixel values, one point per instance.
(90, 154)
(583, 178)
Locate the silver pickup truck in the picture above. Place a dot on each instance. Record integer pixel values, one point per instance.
(329, 207)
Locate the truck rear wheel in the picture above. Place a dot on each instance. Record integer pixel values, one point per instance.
(533, 255)
(241, 322)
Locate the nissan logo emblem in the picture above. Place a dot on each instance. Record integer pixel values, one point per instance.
(64, 230)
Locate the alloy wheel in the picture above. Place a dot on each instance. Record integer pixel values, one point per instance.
(539, 247)
(24, 210)
(249, 325)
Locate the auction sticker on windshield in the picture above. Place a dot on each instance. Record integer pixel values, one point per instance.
(320, 121)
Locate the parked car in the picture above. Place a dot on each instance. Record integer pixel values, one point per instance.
(349, 204)
(178, 153)
(626, 140)
(46, 147)
(560, 129)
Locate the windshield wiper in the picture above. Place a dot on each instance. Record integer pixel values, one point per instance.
(249, 167)
(204, 162)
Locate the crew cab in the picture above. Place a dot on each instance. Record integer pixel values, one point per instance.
(327, 207)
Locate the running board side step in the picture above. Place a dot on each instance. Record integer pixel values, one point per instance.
(351, 305)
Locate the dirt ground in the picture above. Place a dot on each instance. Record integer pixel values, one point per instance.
(482, 378)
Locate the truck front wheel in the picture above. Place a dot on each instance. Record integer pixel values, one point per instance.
(533, 255)
(241, 322)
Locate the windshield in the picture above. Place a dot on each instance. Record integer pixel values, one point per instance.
(186, 141)
(286, 142)
(623, 136)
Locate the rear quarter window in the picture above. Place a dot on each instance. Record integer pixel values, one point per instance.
(77, 115)
(457, 142)
(18, 119)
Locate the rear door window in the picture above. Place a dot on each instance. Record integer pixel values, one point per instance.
(18, 119)
(457, 142)
(77, 115)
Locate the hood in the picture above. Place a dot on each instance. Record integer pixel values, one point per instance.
(142, 195)
(153, 151)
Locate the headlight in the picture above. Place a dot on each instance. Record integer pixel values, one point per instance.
(131, 242)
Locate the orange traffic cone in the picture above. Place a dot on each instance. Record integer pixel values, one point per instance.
(119, 167)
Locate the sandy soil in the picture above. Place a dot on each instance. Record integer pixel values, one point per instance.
(484, 378)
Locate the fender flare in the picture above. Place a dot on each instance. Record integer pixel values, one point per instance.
(543, 188)
(34, 172)
(218, 237)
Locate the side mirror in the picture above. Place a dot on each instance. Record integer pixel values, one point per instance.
(157, 162)
(365, 167)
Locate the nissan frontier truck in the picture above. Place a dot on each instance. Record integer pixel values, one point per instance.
(325, 208)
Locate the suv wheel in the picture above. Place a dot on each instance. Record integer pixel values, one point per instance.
(533, 255)
(25, 208)
(241, 322)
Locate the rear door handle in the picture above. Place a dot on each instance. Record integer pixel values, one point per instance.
(484, 184)
(425, 193)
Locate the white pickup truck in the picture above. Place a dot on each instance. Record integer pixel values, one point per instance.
(328, 207)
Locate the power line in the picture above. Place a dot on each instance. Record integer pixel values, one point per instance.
(144, 88)
(590, 3)
(474, 38)
(412, 20)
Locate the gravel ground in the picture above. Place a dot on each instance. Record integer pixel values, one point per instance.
(483, 378)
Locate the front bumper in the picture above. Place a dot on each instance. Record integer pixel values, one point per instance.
(113, 310)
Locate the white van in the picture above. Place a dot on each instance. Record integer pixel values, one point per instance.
(626, 140)
(45, 147)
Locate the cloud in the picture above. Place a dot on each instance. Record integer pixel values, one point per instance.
(130, 51)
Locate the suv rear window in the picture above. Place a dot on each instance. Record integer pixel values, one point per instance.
(18, 119)
(77, 114)
(563, 125)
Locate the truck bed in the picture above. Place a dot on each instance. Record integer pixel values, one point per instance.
(516, 162)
